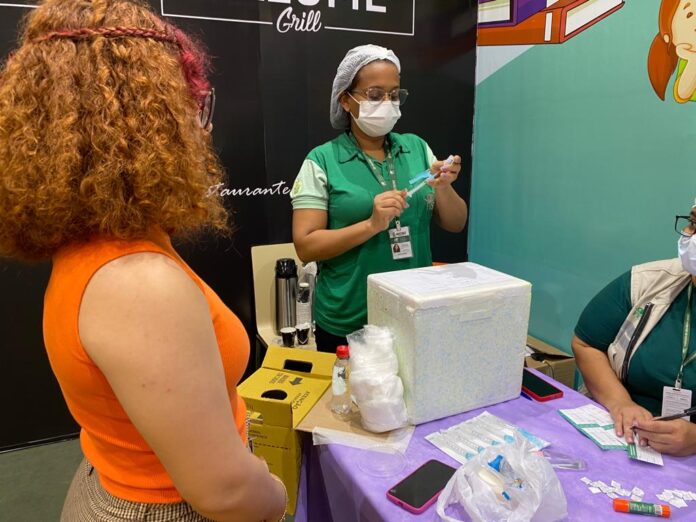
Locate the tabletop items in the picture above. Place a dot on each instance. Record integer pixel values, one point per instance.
(375, 381)
(509, 481)
(357, 495)
(677, 498)
(293, 302)
(597, 425)
(465, 440)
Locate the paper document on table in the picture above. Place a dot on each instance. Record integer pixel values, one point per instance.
(605, 438)
(597, 424)
(464, 440)
(644, 453)
(589, 414)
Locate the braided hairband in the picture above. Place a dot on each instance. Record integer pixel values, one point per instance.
(170, 35)
(109, 32)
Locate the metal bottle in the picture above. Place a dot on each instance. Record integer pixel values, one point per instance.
(285, 293)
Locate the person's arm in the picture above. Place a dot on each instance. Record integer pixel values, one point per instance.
(606, 388)
(451, 211)
(597, 328)
(314, 242)
(147, 326)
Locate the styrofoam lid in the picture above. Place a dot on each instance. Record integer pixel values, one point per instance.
(444, 280)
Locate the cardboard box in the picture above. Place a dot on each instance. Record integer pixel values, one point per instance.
(278, 396)
(551, 361)
(460, 333)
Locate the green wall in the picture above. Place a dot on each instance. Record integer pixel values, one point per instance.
(579, 168)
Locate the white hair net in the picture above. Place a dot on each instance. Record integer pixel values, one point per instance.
(355, 59)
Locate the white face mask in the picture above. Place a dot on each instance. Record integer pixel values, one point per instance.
(377, 120)
(687, 253)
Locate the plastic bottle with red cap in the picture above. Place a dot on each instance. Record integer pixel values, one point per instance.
(341, 402)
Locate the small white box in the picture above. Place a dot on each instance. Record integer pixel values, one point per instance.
(460, 333)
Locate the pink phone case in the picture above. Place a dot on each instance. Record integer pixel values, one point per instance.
(409, 507)
(542, 398)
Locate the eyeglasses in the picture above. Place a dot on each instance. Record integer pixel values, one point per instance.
(685, 225)
(375, 95)
(207, 108)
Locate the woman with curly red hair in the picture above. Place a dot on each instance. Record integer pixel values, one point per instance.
(103, 155)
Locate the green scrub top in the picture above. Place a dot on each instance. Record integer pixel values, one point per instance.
(657, 360)
(335, 177)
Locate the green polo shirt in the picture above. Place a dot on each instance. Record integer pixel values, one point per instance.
(656, 363)
(336, 177)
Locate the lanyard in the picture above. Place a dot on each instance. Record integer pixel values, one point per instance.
(377, 172)
(685, 340)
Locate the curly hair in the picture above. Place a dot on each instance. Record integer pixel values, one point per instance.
(99, 132)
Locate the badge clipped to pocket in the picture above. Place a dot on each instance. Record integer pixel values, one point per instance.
(400, 243)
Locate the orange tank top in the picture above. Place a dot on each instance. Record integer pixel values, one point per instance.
(127, 466)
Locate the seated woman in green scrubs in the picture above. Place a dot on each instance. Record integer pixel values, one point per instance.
(634, 348)
(350, 208)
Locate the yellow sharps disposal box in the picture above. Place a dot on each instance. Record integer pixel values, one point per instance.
(278, 396)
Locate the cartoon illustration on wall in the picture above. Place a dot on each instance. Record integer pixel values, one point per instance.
(674, 48)
(531, 22)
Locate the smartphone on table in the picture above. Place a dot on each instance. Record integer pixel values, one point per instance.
(539, 389)
(420, 489)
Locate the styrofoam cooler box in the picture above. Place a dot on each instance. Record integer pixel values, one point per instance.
(460, 332)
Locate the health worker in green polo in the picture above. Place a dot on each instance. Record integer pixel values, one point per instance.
(634, 346)
(351, 212)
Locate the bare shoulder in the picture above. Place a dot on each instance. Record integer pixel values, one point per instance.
(144, 269)
(131, 298)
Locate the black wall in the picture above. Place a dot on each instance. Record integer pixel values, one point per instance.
(273, 100)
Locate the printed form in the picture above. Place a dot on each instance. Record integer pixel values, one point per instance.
(597, 424)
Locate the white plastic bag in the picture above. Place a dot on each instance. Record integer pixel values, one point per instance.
(367, 386)
(374, 380)
(536, 495)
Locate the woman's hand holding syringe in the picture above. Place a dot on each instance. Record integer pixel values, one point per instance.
(428, 176)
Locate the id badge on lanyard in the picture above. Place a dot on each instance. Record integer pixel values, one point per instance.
(400, 242)
(676, 399)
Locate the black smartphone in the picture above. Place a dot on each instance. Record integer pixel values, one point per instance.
(421, 488)
(539, 389)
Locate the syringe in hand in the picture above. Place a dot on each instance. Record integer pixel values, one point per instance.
(447, 164)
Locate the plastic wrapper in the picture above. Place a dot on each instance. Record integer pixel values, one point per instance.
(369, 386)
(375, 384)
(509, 483)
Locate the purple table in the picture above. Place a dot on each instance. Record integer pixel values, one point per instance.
(333, 487)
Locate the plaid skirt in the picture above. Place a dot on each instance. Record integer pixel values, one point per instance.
(88, 501)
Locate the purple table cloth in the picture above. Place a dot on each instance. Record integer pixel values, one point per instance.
(335, 487)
